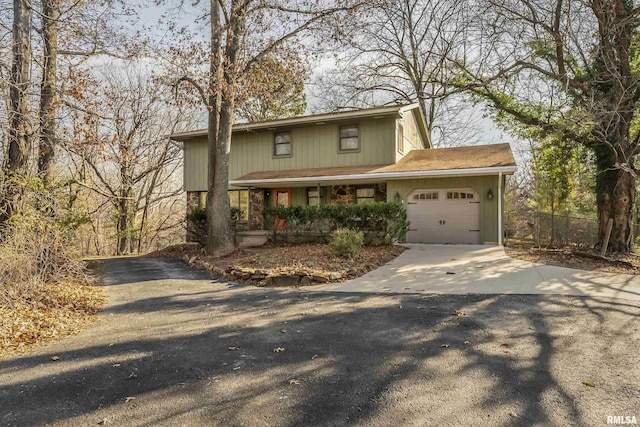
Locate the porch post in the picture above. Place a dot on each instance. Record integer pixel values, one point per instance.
(499, 208)
(319, 194)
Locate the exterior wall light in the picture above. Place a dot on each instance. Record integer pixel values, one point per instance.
(490, 194)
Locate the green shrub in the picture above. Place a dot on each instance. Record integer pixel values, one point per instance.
(388, 220)
(346, 243)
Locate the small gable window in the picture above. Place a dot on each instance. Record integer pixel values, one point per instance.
(282, 144)
(349, 140)
(400, 139)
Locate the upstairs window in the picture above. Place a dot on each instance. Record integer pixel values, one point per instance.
(349, 138)
(400, 139)
(282, 144)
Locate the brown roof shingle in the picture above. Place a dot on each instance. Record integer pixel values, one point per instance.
(476, 156)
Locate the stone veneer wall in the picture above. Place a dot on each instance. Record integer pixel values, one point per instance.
(343, 194)
(256, 206)
(193, 202)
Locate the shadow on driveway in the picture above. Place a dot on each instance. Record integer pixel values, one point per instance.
(176, 347)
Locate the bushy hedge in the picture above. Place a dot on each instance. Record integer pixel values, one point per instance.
(380, 222)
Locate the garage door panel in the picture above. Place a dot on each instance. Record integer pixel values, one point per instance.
(443, 216)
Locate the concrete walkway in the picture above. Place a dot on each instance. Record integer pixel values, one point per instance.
(476, 269)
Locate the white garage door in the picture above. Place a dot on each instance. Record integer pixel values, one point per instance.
(443, 216)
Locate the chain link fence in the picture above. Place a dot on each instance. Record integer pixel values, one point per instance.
(545, 229)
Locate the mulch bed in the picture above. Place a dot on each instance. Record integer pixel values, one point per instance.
(286, 265)
(578, 258)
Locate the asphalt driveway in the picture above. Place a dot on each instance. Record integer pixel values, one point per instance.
(175, 347)
(464, 269)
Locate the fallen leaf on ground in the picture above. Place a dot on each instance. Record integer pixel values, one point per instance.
(314, 356)
(54, 358)
(458, 313)
(129, 399)
(278, 349)
(116, 365)
(445, 346)
(589, 383)
(132, 376)
(232, 348)
(466, 342)
(294, 382)
(283, 330)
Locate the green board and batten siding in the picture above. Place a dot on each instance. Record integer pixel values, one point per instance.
(480, 184)
(412, 135)
(312, 147)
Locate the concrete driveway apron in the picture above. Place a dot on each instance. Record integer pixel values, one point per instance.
(478, 269)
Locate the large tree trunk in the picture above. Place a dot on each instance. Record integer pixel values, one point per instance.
(19, 143)
(615, 192)
(46, 147)
(220, 234)
(19, 86)
(221, 224)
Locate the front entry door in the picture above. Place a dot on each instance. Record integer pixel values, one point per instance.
(281, 197)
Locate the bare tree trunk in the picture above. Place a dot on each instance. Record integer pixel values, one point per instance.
(220, 234)
(46, 147)
(19, 139)
(121, 229)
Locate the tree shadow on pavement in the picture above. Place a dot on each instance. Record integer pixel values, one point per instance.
(233, 355)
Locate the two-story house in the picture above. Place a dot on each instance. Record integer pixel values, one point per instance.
(452, 195)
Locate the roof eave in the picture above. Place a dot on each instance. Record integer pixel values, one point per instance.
(505, 170)
(304, 120)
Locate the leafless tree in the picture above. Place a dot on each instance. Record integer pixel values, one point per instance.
(400, 54)
(19, 83)
(121, 153)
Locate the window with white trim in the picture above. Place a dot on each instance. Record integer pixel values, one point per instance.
(240, 199)
(313, 196)
(365, 195)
